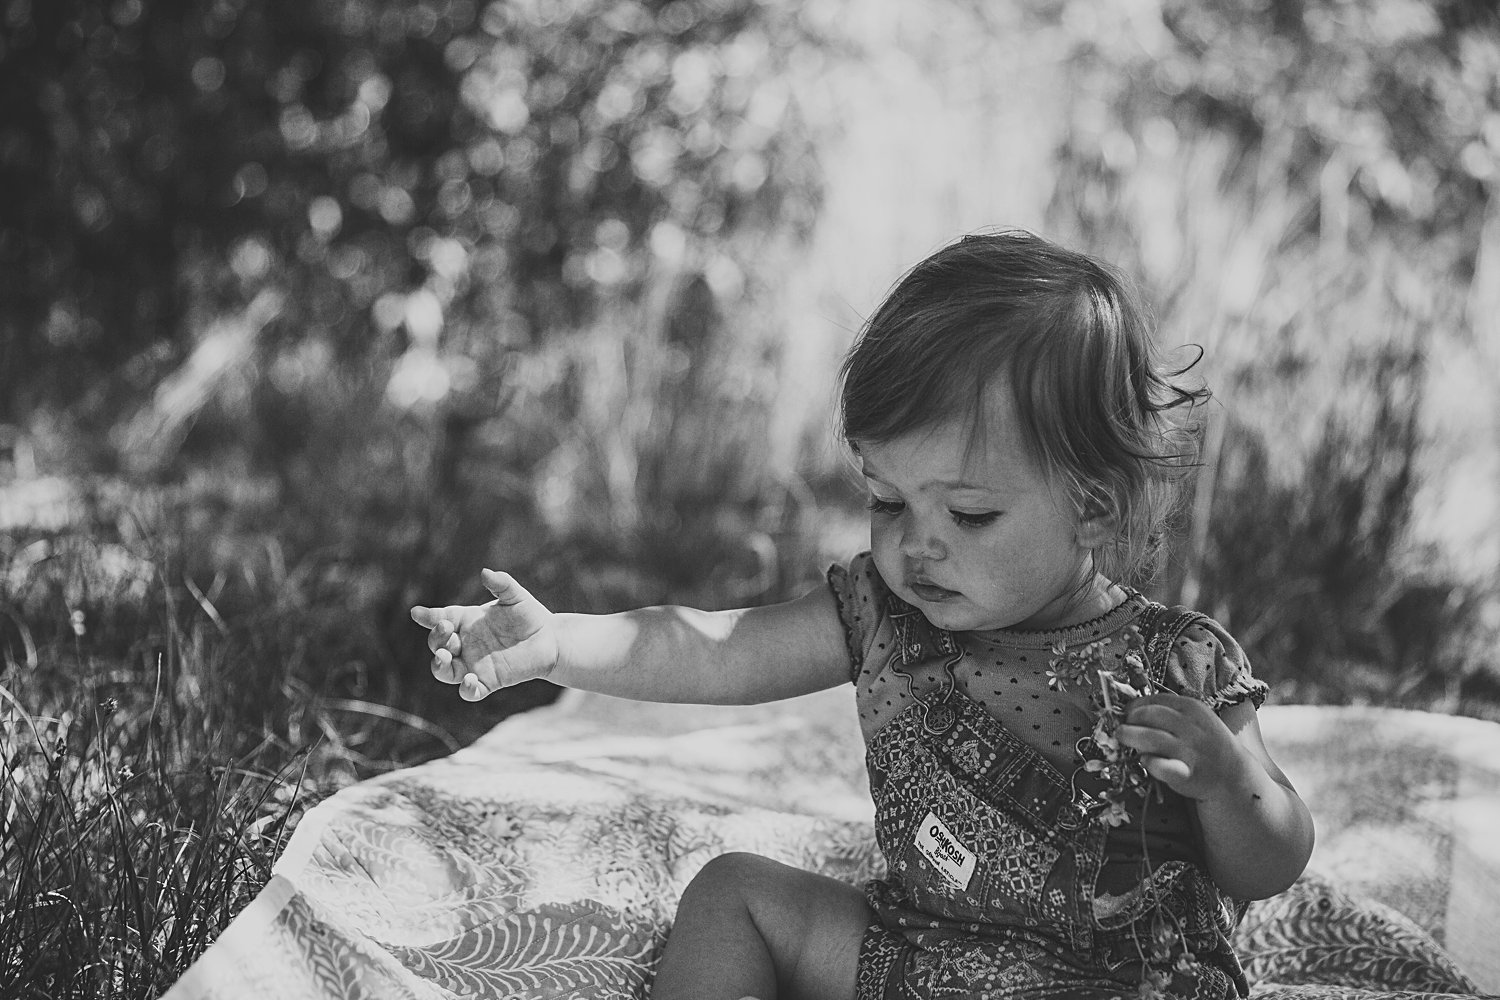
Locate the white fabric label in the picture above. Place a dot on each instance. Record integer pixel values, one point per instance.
(938, 845)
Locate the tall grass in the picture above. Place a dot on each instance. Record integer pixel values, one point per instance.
(160, 739)
(119, 875)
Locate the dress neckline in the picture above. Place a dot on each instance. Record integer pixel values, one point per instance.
(1086, 631)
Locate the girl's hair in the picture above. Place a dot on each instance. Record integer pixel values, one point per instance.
(1071, 338)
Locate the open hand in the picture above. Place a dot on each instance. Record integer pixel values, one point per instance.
(483, 648)
(1183, 744)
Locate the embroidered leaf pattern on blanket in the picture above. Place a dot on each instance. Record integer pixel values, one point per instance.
(334, 962)
(557, 950)
(1315, 933)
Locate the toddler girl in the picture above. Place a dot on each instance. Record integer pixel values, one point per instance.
(1071, 791)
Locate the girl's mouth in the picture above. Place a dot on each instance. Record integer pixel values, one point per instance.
(931, 592)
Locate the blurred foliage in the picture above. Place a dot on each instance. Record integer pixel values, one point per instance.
(365, 251)
(1305, 188)
(1383, 112)
(493, 171)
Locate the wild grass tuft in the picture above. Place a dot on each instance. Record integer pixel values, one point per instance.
(121, 867)
(160, 737)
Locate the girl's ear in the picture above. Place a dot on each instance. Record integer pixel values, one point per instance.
(1096, 526)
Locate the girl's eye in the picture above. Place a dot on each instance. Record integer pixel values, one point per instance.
(965, 520)
(889, 508)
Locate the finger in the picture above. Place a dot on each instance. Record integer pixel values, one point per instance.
(456, 614)
(425, 616)
(1154, 714)
(438, 636)
(1147, 740)
(1160, 699)
(454, 644)
(1168, 769)
(472, 689)
(504, 587)
(443, 667)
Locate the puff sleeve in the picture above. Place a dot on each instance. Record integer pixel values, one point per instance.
(861, 597)
(1208, 664)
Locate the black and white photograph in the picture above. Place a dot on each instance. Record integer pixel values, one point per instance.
(749, 499)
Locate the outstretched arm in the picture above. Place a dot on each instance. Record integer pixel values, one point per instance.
(671, 654)
(1257, 832)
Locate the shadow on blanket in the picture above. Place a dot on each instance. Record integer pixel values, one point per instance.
(546, 859)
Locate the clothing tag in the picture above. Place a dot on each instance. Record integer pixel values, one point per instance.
(938, 845)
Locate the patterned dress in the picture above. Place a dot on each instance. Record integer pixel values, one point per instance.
(998, 885)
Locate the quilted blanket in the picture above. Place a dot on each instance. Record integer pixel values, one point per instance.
(545, 860)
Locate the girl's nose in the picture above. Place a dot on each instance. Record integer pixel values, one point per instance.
(917, 542)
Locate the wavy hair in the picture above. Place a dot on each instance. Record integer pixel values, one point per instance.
(1072, 339)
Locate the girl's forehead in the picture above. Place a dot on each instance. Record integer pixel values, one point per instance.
(958, 451)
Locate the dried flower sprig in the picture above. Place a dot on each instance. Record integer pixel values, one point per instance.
(1111, 688)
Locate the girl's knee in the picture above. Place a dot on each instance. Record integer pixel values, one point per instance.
(810, 925)
(737, 872)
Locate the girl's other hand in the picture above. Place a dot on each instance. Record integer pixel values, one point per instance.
(1256, 832)
(483, 648)
(1183, 744)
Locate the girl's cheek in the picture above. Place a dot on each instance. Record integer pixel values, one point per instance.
(883, 545)
(885, 539)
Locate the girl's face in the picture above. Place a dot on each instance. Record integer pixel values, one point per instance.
(972, 532)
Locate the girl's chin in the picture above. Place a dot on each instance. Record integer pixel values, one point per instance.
(952, 616)
(959, 615)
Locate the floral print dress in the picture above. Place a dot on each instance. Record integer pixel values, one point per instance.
(1004, 878)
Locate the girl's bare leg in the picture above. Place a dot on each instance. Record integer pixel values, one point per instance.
(748, 925)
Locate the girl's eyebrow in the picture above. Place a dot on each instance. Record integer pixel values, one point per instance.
(948, 484)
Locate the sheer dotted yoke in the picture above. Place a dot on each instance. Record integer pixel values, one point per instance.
(1005, 671)
(995, 887)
